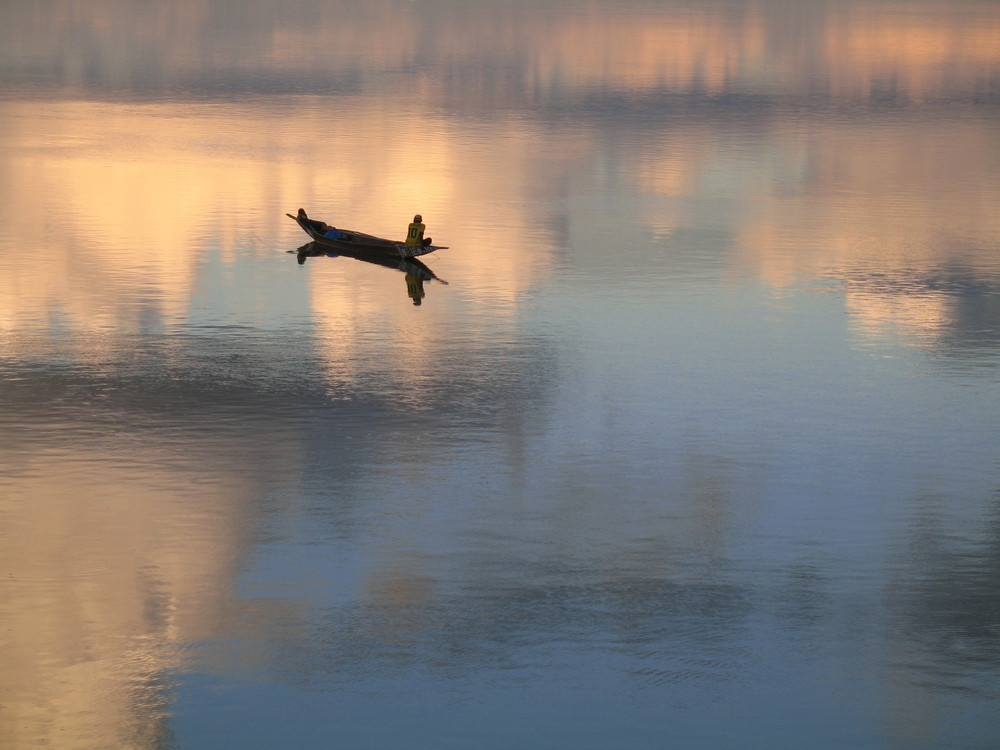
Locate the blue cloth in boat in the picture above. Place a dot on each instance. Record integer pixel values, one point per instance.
(333, 234)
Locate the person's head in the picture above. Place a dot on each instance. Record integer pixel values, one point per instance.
(417, 219)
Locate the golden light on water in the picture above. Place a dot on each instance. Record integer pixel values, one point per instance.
(689, 51)
(105, 584)
(141, 189)
(872, 216)
(132, 193)
(913, 53)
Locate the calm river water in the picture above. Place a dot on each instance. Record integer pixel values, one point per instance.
(694, 441)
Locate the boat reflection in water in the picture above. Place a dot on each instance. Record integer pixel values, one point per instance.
(416, 271)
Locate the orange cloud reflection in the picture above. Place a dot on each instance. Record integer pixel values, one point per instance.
(113, 561)
(887, 215)
(886, 50)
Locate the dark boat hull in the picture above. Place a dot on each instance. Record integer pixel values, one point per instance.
(359, 242)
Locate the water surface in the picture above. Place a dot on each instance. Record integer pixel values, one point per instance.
(696, 447)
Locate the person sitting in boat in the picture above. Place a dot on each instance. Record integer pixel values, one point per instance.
(415, 233)
(319, 226)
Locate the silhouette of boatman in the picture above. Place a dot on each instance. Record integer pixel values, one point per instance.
(415, 233)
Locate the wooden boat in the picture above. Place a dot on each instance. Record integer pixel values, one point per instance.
(349, 241)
